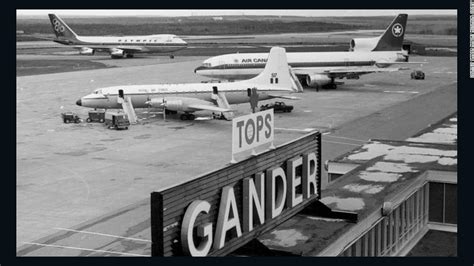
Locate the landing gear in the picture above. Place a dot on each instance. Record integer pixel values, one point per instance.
(169, 112)
(129, 55)
(331, 86)
(187, 116)
(171, 56)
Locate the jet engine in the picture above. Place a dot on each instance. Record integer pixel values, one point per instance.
(317, 80)
(363, 44)
(116, 53)
(86, 51)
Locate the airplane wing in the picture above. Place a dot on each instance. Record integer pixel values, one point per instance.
(109, 48)
(190, 104)
(208, 108)
(129, 48)
(346, 71)
(287, 97)
(383, 64)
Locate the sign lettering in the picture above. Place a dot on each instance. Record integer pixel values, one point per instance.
(267, 195)
(253, 130)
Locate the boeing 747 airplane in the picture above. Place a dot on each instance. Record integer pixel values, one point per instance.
(274, 81)
(118, 47)
(317, 69)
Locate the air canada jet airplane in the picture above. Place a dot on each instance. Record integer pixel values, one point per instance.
(317, 69)
(118, 47)
(274, 81)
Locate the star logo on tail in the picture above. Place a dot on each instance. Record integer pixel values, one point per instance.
(397, 30)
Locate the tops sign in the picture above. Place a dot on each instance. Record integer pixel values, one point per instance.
(218, 212)
(251, 131)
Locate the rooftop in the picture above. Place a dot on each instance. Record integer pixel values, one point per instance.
(382, 170)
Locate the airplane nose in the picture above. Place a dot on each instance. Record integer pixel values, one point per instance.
(198, 69)
(79, 102)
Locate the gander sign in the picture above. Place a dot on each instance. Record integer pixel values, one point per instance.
(221, 211)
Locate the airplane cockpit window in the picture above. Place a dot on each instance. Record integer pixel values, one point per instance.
(205, 64)
(98, 91)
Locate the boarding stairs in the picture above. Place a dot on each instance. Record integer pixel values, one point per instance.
(296, 85)
(222, 102)
(128, 109)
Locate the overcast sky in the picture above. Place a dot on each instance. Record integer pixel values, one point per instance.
(219, 12)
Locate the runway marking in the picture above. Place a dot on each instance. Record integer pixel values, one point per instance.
(86, 249)
(343, 143)
(101, 234)
(332, 136)
(413, 92)
(295, 129)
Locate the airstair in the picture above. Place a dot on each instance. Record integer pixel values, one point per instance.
(128, 109)
(222, 102)
(296, 85)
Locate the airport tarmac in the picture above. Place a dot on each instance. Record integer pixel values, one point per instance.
(71, 174)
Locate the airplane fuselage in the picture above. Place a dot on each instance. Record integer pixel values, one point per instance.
(248, 65)
(160, 43)
(235, 93)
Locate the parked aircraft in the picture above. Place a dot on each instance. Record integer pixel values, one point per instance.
(274, 81)
(118, 47)
(317, 69)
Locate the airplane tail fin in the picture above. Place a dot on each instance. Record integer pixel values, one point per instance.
(61, 29)
(276, 71)
(392, 38)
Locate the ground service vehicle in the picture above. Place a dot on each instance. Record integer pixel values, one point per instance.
(96, 116)
(277, 107)
(69, 117)
(115, 120)
(417, 74)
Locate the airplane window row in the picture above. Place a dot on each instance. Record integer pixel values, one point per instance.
(137, 40)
